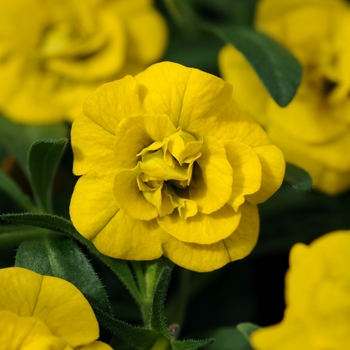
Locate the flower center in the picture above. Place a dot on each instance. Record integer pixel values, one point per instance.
(166, 173)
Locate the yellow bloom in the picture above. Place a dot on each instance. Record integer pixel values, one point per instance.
(54, 53)
(171, 166)
(44, 312)
(317, 316)
(313, 131)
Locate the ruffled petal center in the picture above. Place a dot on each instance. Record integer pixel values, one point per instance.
(166, 172)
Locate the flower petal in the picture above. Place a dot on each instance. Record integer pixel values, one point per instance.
(246, 172)
(27, 333)
(146, 45)
(112, 102)
(273, 168)
(137, 132)
(209, 257)
(92, 147)
(91, 193)
(283, 336)
(212, 180)
(58, 303)
(129, 197)
(130, 239)
(235, 69)
(202, 228)
(329, 169)
(188, 96)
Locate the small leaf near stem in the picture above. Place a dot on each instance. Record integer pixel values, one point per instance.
(148, 275)
(298, 178)
(43, 158)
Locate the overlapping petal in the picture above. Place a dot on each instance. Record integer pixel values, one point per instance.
(195, 98)
(212, 179)
(27, 332)
(44, 311)
(208, 257)
(135, 133)
(130, 239)
(91, 193)
(202, 228)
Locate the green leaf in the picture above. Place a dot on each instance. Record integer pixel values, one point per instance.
(43, 158)
(277, 68)
(191, 344)
(228, 338)
(157, 321)
(298, 178)
(247, 329)
(61, 257)
(25, 135)
(142, 338)
(59, 224)
(11, 188)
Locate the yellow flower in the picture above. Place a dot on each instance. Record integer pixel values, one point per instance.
(44, 312)
(317, 316)
(171, 166)
(313, 131)
(54, 53)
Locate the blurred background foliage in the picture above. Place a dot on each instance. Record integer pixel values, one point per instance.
(250, 290)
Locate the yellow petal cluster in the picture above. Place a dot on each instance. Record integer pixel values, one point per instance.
(313, 131)
(54, 53)
(317, 316)
(44, 312)
(171, 166)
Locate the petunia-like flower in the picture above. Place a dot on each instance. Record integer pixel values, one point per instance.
(317, 316)
(54, 53)
(313, 131)
(44, 312)
(171, 167)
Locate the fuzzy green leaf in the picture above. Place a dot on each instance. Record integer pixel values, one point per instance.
(59, 224)
(141, 338)
(191, 344)
(298, 178)
(43, 158)
(278, 69)
(157, 321)
(11, 188)
(61, 257)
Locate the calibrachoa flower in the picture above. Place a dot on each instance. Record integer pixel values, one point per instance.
(313, 131)
(171, 167)
(44, 312)
(317, 316)
(54, 53)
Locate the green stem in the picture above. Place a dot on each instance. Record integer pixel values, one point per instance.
(138, 270)
(147, 275)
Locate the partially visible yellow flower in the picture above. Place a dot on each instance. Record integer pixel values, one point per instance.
(44, 312)
(313, 131)
(171, 167)
(317, 316)
(54, 53)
